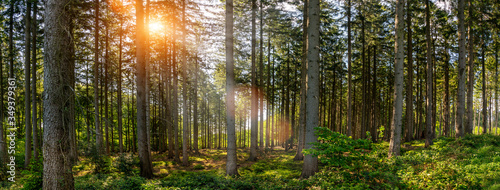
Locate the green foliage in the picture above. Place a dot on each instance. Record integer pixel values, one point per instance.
(125, 164)
(111, 182)
(32, 178)
(336, 149)
(198, 167)
(102, 163)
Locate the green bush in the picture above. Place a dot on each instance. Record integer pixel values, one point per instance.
(336, 149)
(126, 164)
(33, 178)
(102, 163)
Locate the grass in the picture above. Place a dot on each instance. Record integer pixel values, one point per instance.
(472, 162)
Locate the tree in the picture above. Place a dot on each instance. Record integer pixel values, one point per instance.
(303, 85)
(395, 142)
(27, 103)
(97, 119)
(33, 81)
(254, 98)
(312, 110)
(59, 78)
(142, 138)
(409, 83)
(230, 107)
(349, 72)
(428, 118)
(470, 86)
(185, 157)
(461, 72)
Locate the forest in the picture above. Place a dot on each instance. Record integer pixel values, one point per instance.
(249, 94)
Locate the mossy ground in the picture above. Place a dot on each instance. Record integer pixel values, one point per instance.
(472, 162)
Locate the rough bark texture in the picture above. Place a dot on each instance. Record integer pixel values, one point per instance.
(461, 72)
(59, 77)
(230, 107)
(254, 99)
(446, 110)
(310, 166)
(395, 142)
(142, 138)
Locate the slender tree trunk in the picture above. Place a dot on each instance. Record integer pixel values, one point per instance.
(106, 103)
(409, 83)
(428, 118)
(27, 102)
(33, 82)
(120, 135)
(470, 88)
(485, 101)
(96, 81)
(496, 89)
(310, 166)
(185, 157)
(446, 92)
(395, 143)
(374, 97)
(254, 98)
(303, 85)
(59, 78)
(142, 138)
(461, 72)
(231, 165)
(261, 80)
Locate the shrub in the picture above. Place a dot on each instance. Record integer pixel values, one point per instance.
(33, 178)
(336, 149)
(125, 164)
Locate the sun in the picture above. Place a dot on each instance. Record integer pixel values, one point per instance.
(156, 27)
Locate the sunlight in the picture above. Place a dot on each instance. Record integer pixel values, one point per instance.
(156, 28)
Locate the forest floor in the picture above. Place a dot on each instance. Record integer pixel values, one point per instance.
(472, 162)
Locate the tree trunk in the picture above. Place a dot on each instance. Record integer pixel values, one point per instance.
(254, 98)
(395, 143)
(409, 83)
(231, 165)
(428, 118)
(120, 135)
(33, 82)
(470, 88)
(185, 157)
(303, 85)
(96, 81)
(461, 72)
(261, 81)
(142, 138)
(27, 102)
(59, 78)
(310, 166)
(446, 92)
(485, 102)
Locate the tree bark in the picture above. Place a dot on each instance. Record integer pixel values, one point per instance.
(96, 82)
(254, 98)
(395, 142)
(142, 138)
(27, 72)
(303, 85)
(470, 88)
(33, 82)
(185, 157)
(461, 72)
(428, 118)
(409, 83)
(59, 77)
(310, 166)
(231, 165)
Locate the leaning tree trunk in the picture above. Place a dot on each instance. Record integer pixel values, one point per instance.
(59, 77)
(310, 166)
(142, 138)
(395, 143)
